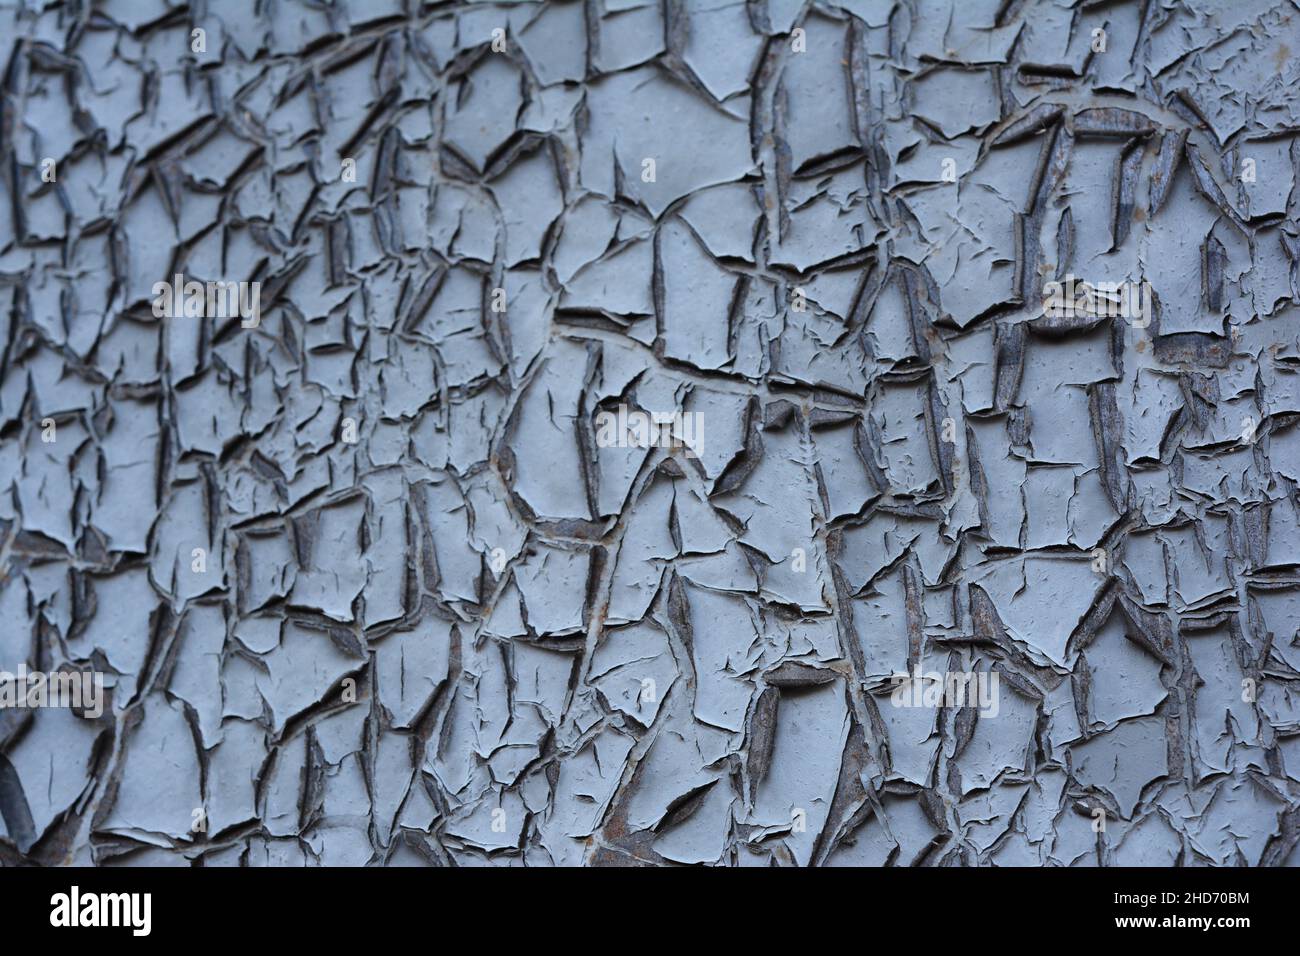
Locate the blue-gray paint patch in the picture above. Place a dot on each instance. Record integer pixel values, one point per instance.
(830, 433)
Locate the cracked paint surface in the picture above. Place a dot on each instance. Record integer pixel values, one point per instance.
(365, 582)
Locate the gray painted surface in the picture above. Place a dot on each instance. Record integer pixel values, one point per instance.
(368, 581)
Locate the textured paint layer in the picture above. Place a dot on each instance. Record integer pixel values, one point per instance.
(651, 432)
